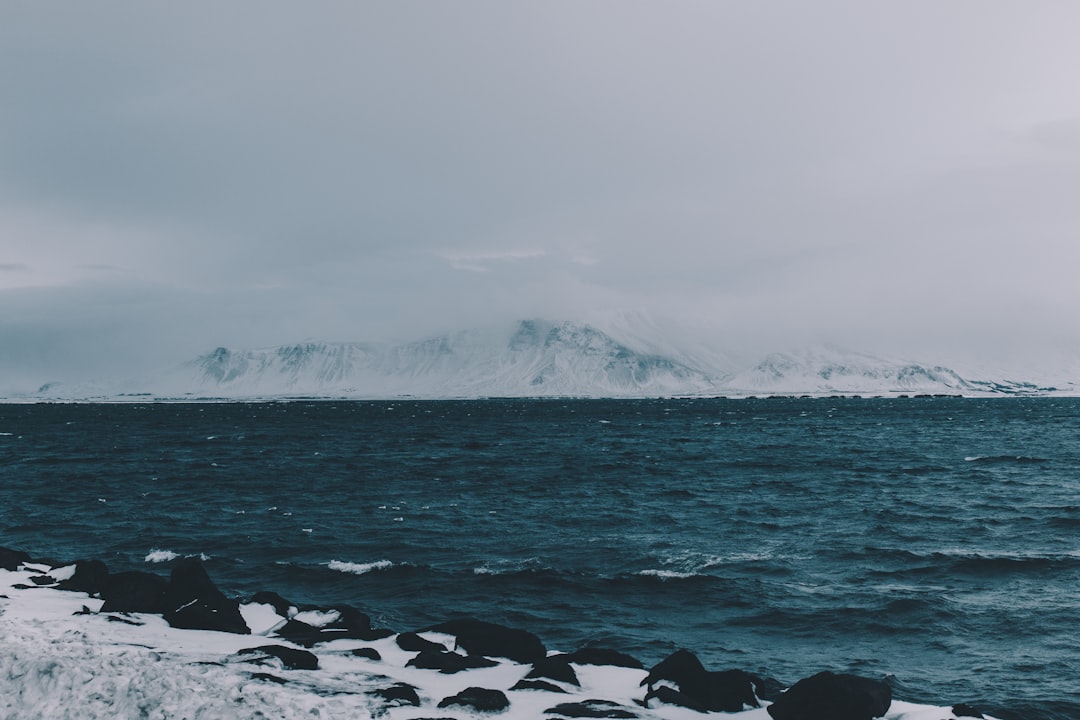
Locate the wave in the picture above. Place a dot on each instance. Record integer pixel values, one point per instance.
(888, 618)
(157, 555)
(958, 561)
(669, 574)
(359, 568)
(1004, 459)
(512, 567)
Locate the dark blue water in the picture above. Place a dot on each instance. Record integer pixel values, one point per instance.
(933, 540)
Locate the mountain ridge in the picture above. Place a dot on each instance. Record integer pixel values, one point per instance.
(534, 358)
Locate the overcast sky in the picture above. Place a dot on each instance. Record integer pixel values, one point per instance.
(893, 176)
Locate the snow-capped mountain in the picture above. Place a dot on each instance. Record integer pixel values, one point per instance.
(830, 370)
(536, 358)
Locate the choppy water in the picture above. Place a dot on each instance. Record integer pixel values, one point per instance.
(933, 539)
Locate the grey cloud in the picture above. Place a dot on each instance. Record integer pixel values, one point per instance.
(266, 172)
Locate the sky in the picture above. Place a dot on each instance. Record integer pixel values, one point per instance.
(899, 177)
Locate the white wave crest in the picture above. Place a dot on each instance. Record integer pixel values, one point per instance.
(359, 568)
(669, 574)
(160, 556)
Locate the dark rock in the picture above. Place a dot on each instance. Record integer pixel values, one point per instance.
(281, 605)
(490, 639)
(398, 695)
(352, 618)
(671, 696)
(600, 656)
(43, 580)
(732, 690)
(193, 602)
(543, 685)
(768, 688)
(965, 710)
(833, 696)
(412, 642)
(480, 699)
(124, 620)
(268, 677)
(369, 653)
(448, 662)
(12, 559)
(134, 592)
(350, 625)
(592, 709)
(681, 667)
(554, 668)
(357, 624)
(90, 577)
(724, 691)
(291, 658)
(301, 633)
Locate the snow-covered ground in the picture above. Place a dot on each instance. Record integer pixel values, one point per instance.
(61, 658)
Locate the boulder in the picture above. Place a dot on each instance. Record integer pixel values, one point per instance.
(357, 624)
(699, 689)
(350, 625)
(542, 685)
(291, 658)
(12, 559)
(833, 696)
(193, 602)
(600, 656)
(592, 709)
(134, 592)
(555, 667)
(963, 710)
(91, 577)
(302, 634)
(411, 642)
(477, 698)
(281, 605)
(267, 677)
(477, 637)
(398, 695)
(448, 662)
(366, 653)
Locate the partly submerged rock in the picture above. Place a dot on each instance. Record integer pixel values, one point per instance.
(134, 591)
(291, 658)
(478, 637)
(481, 699)
(448, 662)
(193, 602)
(698, 688)
(833, 696)
(90, 577)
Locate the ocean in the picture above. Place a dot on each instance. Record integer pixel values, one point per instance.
(933, 541)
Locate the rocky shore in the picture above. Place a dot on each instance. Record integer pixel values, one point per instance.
(460, 668)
